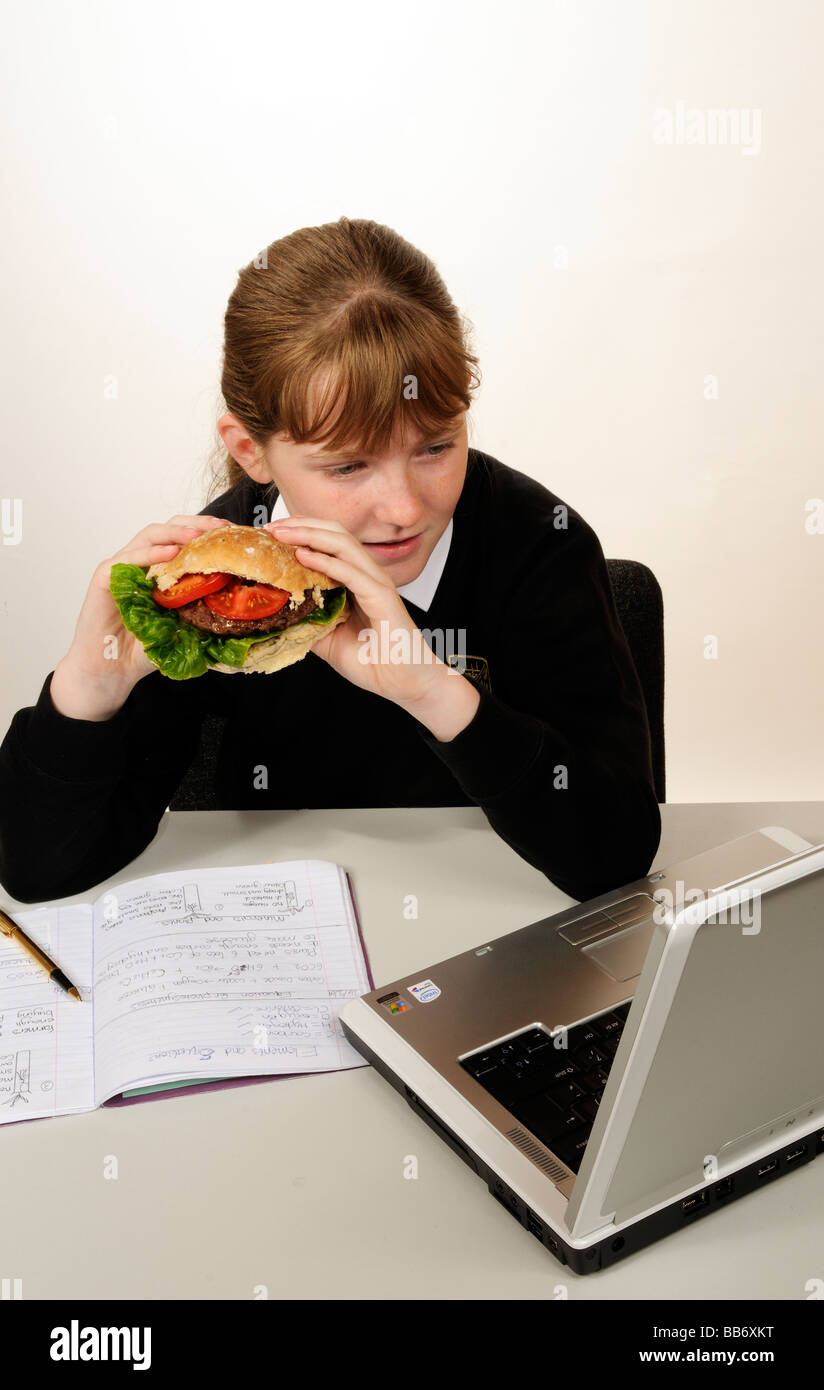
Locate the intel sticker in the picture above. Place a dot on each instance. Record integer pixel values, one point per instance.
(425, 992)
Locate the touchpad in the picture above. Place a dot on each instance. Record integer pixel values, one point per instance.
(623, 954)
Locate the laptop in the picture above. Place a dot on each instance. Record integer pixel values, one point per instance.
(627, 1066)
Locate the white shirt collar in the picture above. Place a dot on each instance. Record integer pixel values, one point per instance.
(420, 591)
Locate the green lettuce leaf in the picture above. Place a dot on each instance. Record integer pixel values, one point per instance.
(179, 650)
(333, 601)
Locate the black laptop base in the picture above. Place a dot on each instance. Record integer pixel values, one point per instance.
(610, 1250)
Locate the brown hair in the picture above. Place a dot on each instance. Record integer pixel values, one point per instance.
(355, 300)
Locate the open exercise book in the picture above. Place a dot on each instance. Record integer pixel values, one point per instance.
(207, 975)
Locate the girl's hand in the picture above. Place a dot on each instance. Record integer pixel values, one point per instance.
(105, 661)
(373, 599)
(432, 692)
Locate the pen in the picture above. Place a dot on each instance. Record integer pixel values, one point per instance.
(8, 927)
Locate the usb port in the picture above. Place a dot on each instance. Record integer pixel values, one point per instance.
(797, 1152)
(698, 1199)
(534, 1226)
(768, 1167)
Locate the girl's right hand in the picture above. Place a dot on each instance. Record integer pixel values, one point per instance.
(87, 679)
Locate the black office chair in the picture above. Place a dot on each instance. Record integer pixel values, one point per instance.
(640, 606)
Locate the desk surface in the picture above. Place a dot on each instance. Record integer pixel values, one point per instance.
(298, 1185)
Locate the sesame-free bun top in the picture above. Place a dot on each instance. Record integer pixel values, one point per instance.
(250, 552)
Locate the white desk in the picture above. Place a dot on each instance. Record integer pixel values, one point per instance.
(298, 1184)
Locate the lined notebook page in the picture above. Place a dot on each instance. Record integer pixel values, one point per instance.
(224, 972)
(46, 1045)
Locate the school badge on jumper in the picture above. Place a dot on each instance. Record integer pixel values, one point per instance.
(475, 668)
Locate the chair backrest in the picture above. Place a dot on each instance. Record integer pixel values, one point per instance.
(640, 606)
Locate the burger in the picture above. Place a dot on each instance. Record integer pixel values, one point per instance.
(233, 599)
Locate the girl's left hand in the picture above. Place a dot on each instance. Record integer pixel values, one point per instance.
(373, 599)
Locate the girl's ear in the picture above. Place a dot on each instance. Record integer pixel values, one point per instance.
(243, 449)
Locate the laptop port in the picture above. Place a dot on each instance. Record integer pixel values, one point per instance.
(768, 1167)
(506, 1198)
(698, 1199)
(797, 1152)
(534, 1225)
(723, 1188)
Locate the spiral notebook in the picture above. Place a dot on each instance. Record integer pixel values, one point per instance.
(199, 978)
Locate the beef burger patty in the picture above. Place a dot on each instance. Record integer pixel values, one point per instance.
(200, 616)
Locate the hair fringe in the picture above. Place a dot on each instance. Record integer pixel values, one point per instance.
(341, 335)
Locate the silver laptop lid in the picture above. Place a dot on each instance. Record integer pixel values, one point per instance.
(721, 1055)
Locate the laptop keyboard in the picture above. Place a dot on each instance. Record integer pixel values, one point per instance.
(553, 1092)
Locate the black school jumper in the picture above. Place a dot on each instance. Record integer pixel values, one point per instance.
(80, 799)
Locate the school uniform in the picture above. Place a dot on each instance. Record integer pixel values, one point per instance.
(515, 594)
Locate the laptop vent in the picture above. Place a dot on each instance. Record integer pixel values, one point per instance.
(539, 1156)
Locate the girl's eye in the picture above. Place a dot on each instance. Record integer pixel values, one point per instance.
(343, 471)
(435, 451)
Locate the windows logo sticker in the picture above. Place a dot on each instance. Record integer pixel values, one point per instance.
(394, 1004)
(425, 991)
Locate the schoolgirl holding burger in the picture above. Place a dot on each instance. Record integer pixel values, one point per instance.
(347, 381)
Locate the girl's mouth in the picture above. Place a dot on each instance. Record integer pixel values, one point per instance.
(394, 549)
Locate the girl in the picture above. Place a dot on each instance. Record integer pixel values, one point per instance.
(483, 661)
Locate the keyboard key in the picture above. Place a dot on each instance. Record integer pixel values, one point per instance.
(560, 1068)
(585, 1033)
(502, 1086)
(476, 1066)
(589, 1056)
(536, 1040)
(569, 1122)
(570, 1149)
(586, 1108)
(609, 1025)
(566, 1092)
(542, 1117)
(594, 1081)
(518, 1065)
(548, 1125)
(609, 1045)
(534, 1108)
(547, 1065)
(553, 1135)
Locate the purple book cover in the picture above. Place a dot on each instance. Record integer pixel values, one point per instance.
(246, 1080)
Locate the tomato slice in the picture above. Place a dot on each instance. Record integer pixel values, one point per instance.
(247, 601)
(188, 588)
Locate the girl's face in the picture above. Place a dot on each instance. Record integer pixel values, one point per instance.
(397, 504)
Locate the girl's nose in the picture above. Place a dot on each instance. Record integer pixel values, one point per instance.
(400, 507)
